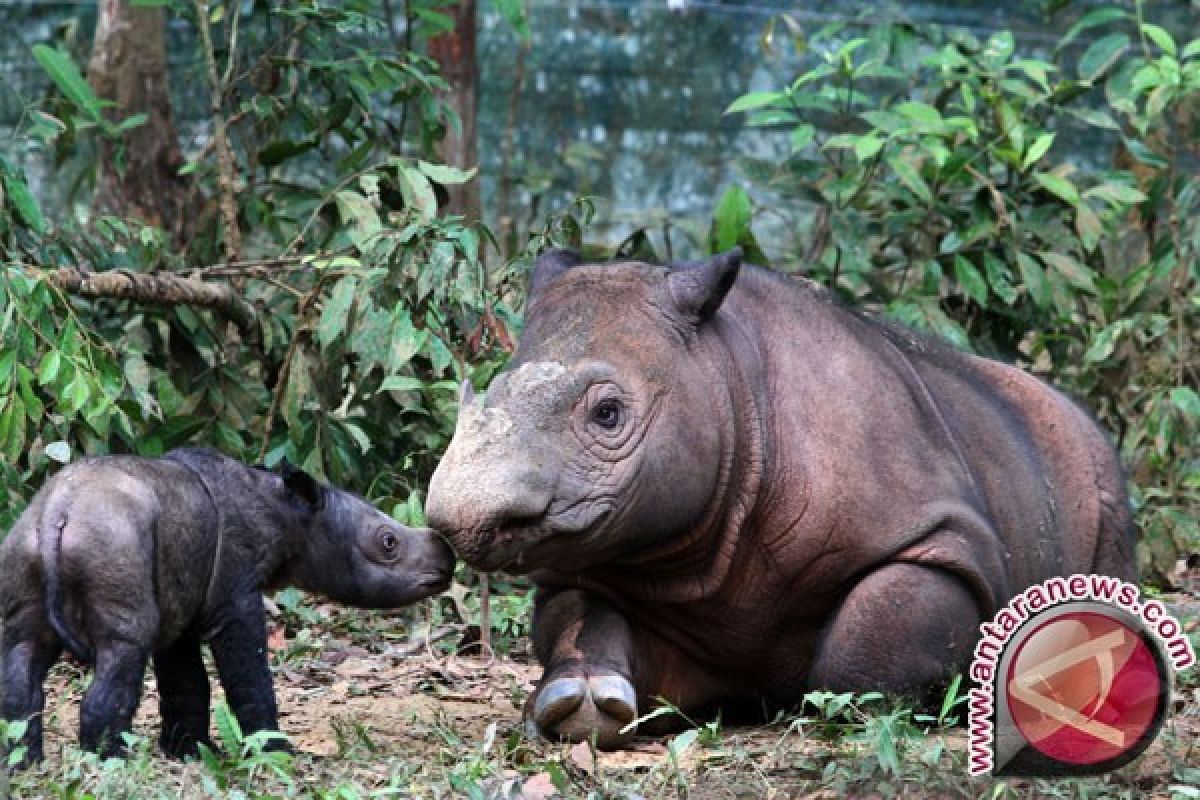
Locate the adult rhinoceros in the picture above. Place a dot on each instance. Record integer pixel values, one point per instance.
(729, 489)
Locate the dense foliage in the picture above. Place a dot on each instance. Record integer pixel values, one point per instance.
(368, 307)
(939, 186)
(926, 178)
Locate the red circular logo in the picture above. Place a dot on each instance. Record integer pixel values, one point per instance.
(1084, 688)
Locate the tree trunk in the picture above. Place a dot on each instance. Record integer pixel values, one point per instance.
(455, 54)
(139, 175)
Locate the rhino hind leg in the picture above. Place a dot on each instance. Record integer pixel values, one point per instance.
(903, 628)
(183, 692)
(111, 701)
(28, 650)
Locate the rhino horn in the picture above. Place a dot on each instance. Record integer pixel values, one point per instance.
(466, 394)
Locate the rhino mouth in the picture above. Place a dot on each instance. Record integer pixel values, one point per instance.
(518, 548)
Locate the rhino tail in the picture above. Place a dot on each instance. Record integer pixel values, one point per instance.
(50, 544)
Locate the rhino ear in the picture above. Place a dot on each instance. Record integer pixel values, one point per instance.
(697, 290)
(302, 486)
(550, 265)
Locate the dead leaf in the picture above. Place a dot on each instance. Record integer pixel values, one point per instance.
(583, 757)
(539, 787)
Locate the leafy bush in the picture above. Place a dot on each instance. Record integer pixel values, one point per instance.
(336, 336)
(940, 188)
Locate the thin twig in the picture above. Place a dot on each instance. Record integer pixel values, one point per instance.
(226, 179)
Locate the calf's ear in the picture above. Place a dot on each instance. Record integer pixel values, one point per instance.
(549, 265)
(698, 289)
(302, 486)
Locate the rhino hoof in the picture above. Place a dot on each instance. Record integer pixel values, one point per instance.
(576, 708)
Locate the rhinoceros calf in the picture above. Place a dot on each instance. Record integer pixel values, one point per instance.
(730, 490)
(121, 559)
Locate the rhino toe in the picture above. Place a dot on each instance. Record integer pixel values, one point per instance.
(558, 699)
(614, 696)
(578, 708)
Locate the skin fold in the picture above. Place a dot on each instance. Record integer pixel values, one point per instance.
(730, 490)
(125, 561)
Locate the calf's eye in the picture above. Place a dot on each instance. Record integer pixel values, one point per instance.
(389, 542)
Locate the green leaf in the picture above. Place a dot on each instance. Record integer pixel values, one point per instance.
(1102, 344)
(997, 275)
(682, 743)
(1038, 149)
(1101, 55)
(1191, 50)
(922, 114)
(131, 122)
(867, 146)
(337, 310)
(66, 76)
(1088, 226)
(732, 217)
(910, 176)
(418, 193)
(357, 212)
(1116, 194)
(228, 728)
(755, 100)
(22, 201)
(446, 175)
(514, 13)
(802, 136)
(281, 150)
(48, 369)
(1160, 37)
(1187, 401)
(59, 451)
(1076, 274)
(401, 383)
(1092, 19)
(1034, 279)
(969, 278)
(1058, 186)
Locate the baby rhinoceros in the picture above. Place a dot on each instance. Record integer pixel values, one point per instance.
(121, 559)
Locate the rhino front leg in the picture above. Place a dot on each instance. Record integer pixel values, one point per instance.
(183, 692)
(240, 652)
(587, 686)
(27, 651)
(902, 628)
(111, 701)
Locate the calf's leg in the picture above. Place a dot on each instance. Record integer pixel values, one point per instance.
(111, 701)
(183, 692)
(27, 650)
(240, 651)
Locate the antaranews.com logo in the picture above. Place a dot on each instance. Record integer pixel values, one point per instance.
(1073, 677)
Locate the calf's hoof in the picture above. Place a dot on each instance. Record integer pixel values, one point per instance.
(577, 708)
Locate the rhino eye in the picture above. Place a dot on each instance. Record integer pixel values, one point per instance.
(607, 414)
(388, 542)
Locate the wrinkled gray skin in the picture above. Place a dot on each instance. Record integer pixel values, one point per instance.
(120, 559)
(730, 491)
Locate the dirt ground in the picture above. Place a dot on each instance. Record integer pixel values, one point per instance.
(423, 722)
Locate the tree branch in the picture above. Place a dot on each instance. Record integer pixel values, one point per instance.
(157, 288)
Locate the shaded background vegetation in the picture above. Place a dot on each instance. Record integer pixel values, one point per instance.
(284, 266)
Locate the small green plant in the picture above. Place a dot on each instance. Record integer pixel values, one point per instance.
(245, 760)
(10, 751)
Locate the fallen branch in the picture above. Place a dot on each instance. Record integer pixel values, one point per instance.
(156, 288)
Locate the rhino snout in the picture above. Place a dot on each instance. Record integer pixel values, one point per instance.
(483, 515)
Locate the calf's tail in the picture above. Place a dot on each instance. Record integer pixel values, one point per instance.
(50, 533)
